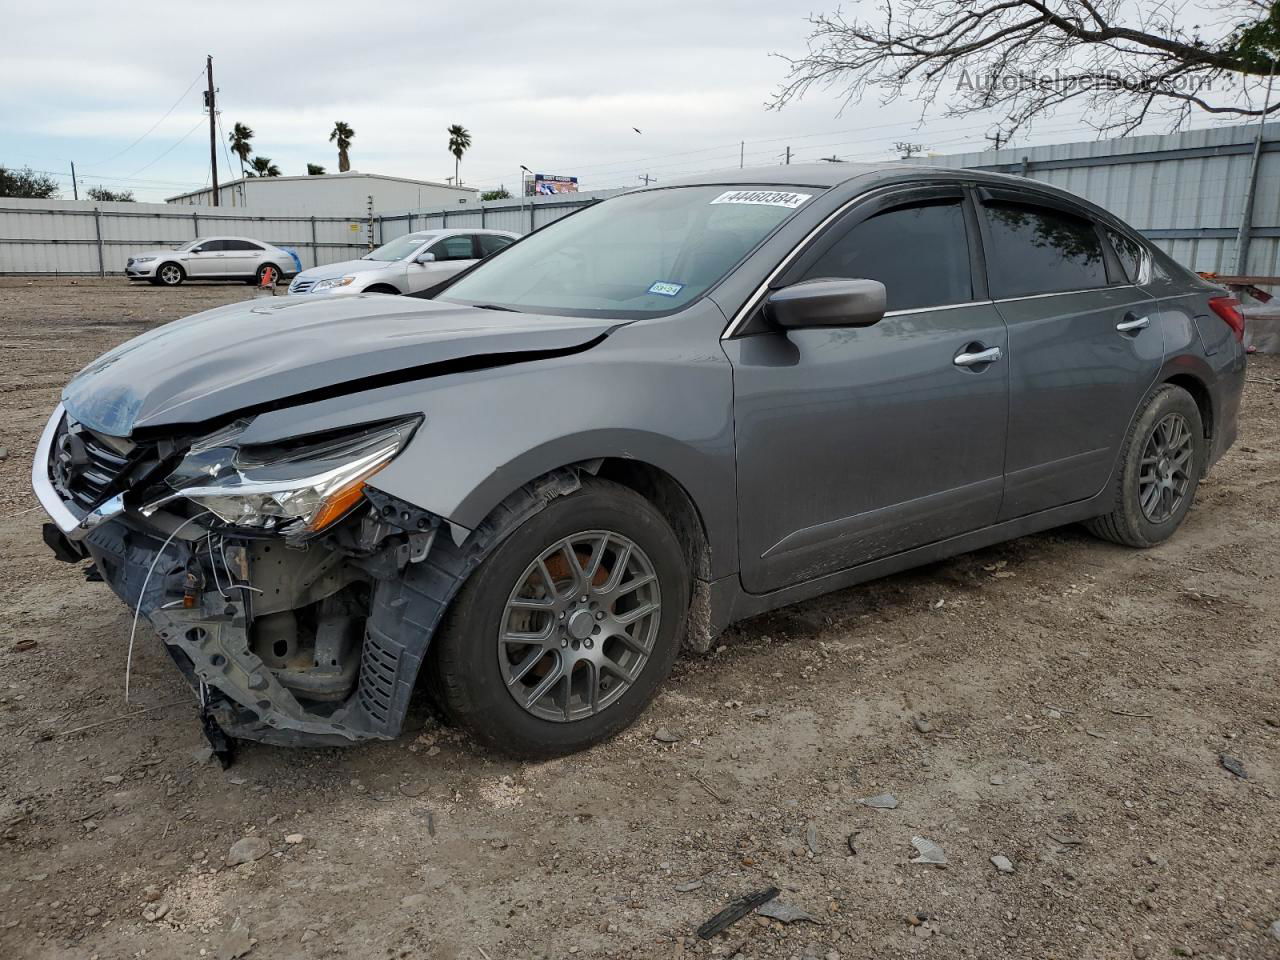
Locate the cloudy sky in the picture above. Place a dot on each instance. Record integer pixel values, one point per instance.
(557, 87)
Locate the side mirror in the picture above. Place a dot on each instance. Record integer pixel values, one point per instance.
(425, 258)
(826, 303)
(197, 249)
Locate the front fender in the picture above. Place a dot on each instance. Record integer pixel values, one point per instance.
(487, 432)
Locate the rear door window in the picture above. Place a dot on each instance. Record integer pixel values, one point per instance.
(1036, 249)
(919, 252)
(1129, 254)
(491, 243)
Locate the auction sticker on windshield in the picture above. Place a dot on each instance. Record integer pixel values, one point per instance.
(771, 198)
(665, 289)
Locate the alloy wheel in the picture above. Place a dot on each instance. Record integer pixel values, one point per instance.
(579, 626)
(170, 274)
(1164, 475)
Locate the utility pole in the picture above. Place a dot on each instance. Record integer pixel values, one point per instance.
(909, 150)
(742, 153)
(75, 188)
(788, 156)
(646, 178)
(998, 138)
(213, 128)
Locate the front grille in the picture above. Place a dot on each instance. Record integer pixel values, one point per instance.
(301, 286)
(83, 464)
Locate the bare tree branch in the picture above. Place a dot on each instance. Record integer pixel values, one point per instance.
(1126, 60)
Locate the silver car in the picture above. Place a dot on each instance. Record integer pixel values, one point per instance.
(409, 264)
(212, 258)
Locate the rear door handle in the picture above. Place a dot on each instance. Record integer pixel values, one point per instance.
(990, 355)
(1133, 323)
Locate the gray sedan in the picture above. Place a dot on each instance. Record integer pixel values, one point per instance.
(670, 411)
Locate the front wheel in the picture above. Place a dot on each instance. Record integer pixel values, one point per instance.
(170, 274)
(562, 636)
(1160, 469)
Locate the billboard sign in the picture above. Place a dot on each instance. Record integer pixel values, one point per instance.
(545, 184)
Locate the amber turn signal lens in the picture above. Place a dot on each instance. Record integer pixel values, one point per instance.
(340, 501)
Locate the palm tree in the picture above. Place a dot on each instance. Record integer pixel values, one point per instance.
(342, 135)
(240, 138)
(315, 170)
(459, 141)
(263, 167)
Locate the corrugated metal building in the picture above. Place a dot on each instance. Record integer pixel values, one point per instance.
(1186, 191)
(331, 194)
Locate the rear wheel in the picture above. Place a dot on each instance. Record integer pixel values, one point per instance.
(562, 636)
(262, 272)
(1161, 467)
(170, 274)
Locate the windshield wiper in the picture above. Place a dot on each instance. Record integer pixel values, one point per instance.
(494, 306)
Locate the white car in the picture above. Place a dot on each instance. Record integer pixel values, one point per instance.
(408, 264)
(212, 258)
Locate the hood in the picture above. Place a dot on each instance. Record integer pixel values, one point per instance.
(157, 253)
(344, 268)
(263, 353)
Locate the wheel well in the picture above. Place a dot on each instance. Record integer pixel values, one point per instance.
(381, 288)
(1200, 393)
(673, 502)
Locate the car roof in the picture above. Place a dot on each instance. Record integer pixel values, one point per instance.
(868, 175)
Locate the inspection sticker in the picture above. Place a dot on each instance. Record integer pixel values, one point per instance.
(771, 198)
(665, 289)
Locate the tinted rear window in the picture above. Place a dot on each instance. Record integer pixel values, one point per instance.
(1041, 250)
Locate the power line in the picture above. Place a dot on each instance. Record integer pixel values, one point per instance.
(170, 150)
(156, 124)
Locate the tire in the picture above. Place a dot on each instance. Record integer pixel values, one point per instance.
(477, 677)
(1137, 522)
(170, 274)
(257, 277)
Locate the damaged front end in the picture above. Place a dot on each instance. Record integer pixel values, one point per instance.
(293, 596)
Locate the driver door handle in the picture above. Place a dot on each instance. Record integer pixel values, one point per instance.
(990, 355)
(1131, 323)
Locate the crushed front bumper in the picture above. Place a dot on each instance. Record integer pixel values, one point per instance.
(316, 642)
(210, 640)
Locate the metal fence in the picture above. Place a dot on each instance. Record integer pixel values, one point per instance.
(520, 215)
(84, 237)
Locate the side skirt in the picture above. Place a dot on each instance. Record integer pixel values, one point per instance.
(731, 603)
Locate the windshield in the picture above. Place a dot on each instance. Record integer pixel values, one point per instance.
(638, 254)
(189, 244)
(398, 248)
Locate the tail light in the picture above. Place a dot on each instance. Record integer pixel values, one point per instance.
(1228, 308)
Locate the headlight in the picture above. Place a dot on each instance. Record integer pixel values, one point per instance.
(294, 488)
(332, 282)
(143, 259)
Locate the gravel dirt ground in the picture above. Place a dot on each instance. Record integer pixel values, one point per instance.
(1057, 701)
